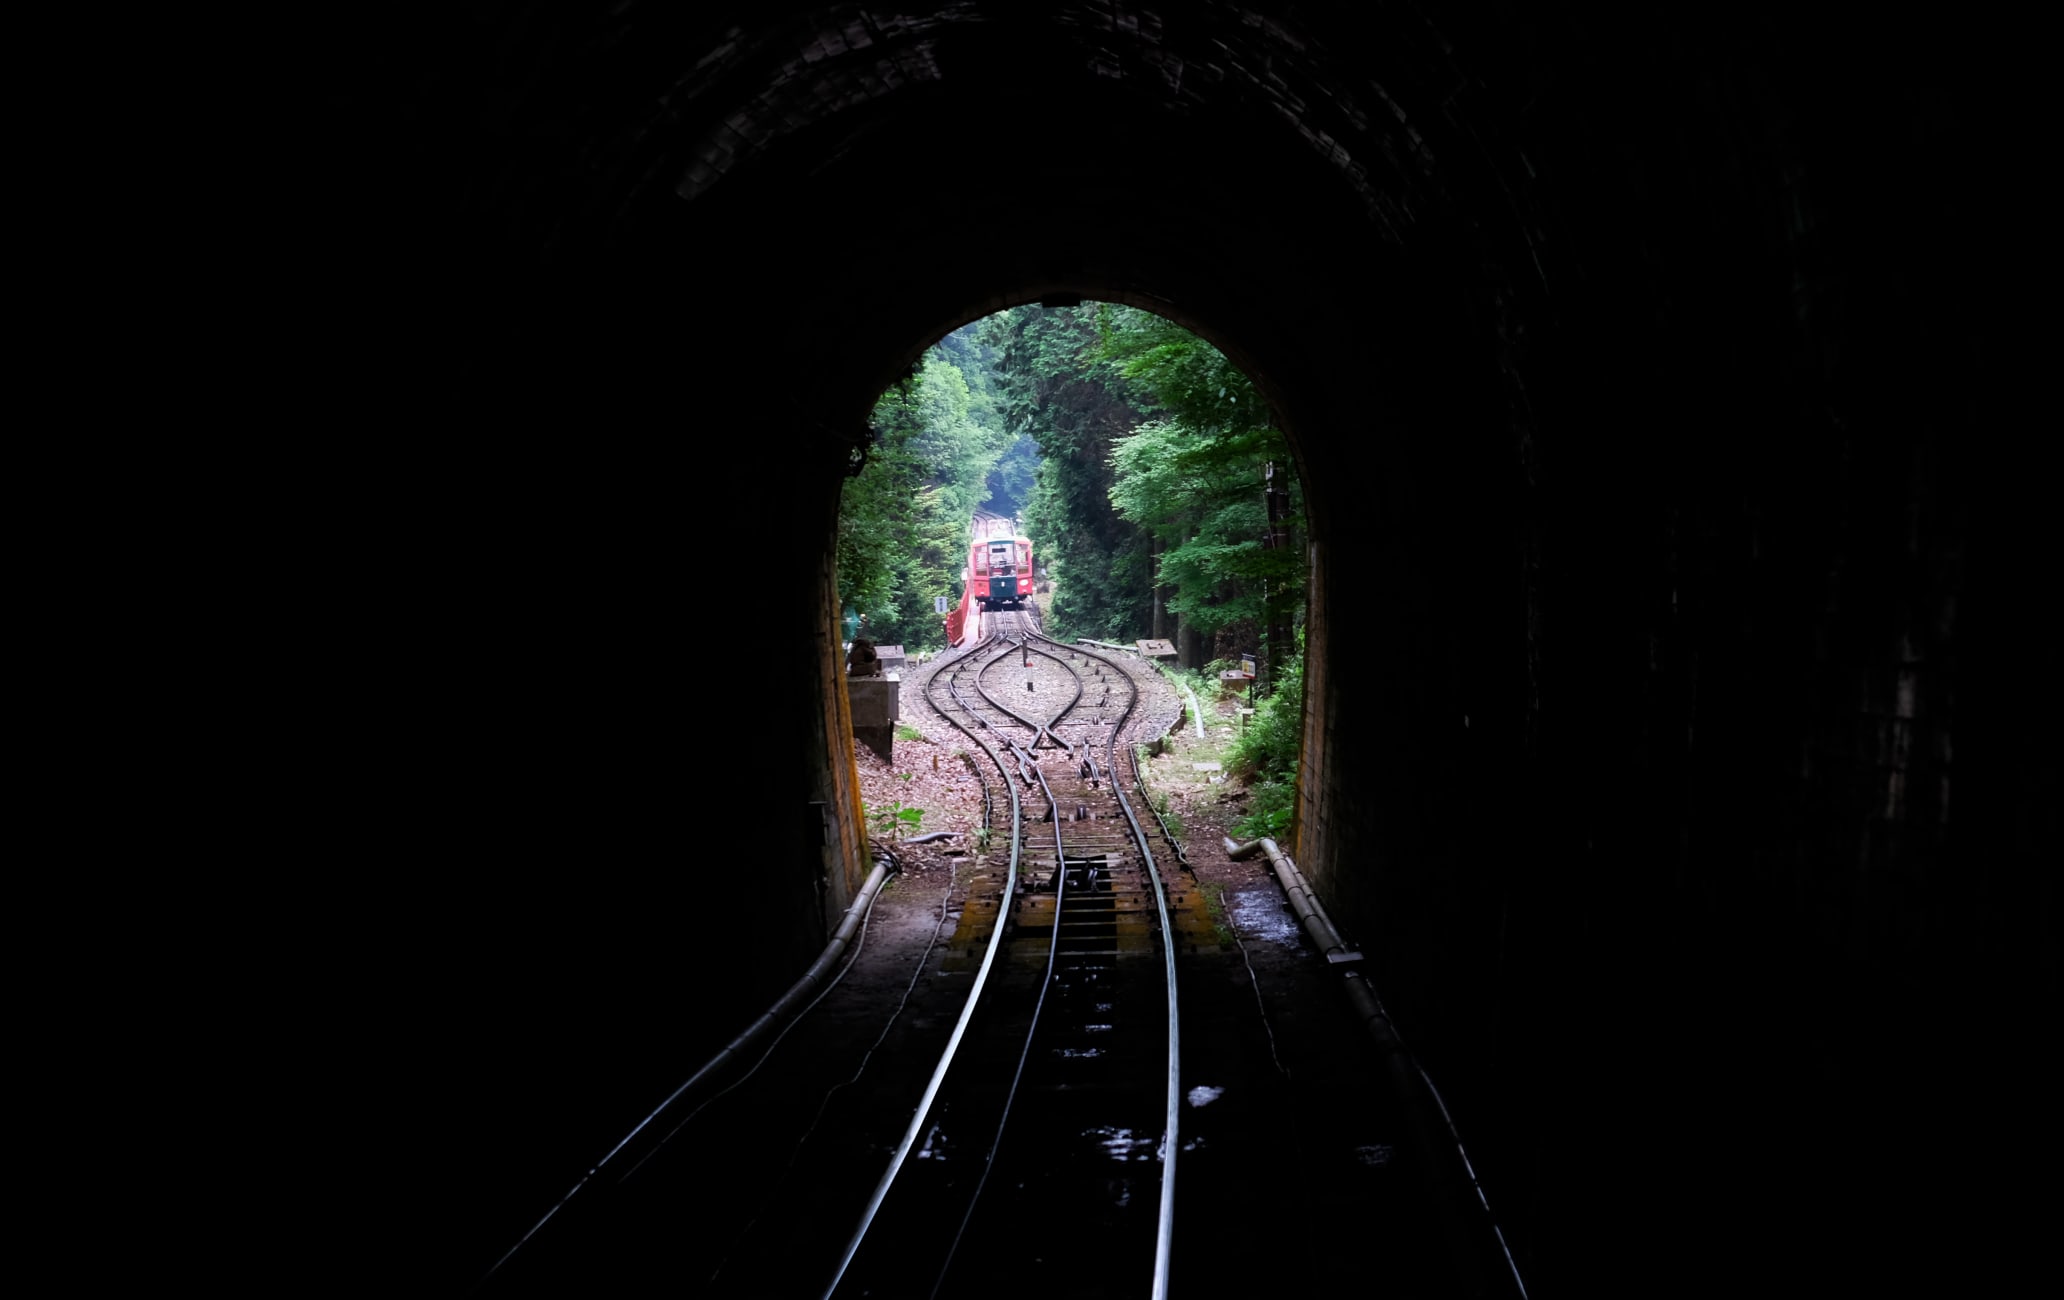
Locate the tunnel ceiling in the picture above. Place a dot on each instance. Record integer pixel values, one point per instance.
(1209, 159)
(1643, 370)
(1319, 194)
(666, 101)
(1080, 66)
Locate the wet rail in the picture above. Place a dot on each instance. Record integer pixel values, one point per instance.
(1028, 1119)
(1058, 1100)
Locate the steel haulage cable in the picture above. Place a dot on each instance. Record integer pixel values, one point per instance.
(1053, 948)
(1171, 1138)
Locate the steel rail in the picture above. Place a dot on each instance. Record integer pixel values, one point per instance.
(994, 640)
(1053, 948)
(1433, 1128)
(1171, 1142)
(1039, 728)
(1031, 772)
(786, 1010)
(967, 1012)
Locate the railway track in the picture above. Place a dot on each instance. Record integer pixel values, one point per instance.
(1021, 1130)
(1060, 1104)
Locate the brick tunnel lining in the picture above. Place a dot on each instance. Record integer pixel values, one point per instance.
(1218, 197)
(1481, 446)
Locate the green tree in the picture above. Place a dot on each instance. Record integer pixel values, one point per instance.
(1052, 387)
(1200, 481)
(1265, 752)
(903, 518)
(1140, 458)
(969, 351)
(1010, 483)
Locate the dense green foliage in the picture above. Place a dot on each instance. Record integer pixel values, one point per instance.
(933, 417)
(1196, 479)
(967, 351)
(1052, 386)
(1265, 752)
(1011, 482)
(1140, 459)
(902, 537)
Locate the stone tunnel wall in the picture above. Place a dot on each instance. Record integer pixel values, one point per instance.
(847, 859)
(1677, 740)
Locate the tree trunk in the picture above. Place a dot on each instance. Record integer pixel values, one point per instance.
(1160, 632)
(1274, 597)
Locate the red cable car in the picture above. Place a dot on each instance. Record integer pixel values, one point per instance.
(1000, 571)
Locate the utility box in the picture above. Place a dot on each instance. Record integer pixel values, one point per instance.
(873, 701)
(891, 658)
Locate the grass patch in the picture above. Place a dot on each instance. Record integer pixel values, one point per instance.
(1170, 818)
(1264, 755)
(1270, 809)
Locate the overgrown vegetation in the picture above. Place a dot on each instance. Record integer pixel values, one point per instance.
(1264, 753)
(1170, 817)
(1141, 461)
(1053, 387)
(1144, 466)
(1164, 503)
(894, 819)
(1208, 480)
(903, 519)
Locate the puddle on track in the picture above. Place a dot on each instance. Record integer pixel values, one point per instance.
(1122, 1145)
(1261, 915)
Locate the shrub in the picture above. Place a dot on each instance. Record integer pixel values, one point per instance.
(1266, 749)
(894, 818)
(1269, 810)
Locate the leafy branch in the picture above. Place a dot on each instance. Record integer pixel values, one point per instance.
(892, 819)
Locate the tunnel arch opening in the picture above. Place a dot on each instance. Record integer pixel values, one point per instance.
(1092, 366)
(1263, 198)
(1329, 412)
(1370, 305)
(1688, 241)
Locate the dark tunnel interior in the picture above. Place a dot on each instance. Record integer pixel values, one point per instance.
(1678, 744)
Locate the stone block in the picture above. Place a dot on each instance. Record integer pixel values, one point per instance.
(874, 700)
